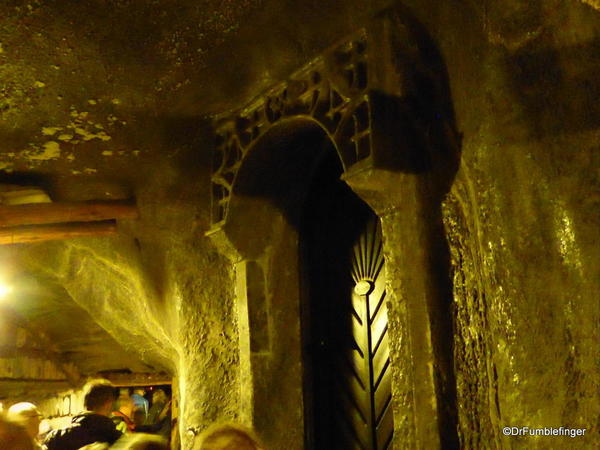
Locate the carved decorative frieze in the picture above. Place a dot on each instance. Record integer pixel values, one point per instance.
(331, 90)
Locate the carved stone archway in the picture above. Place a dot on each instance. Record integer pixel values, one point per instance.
(331, 90)
(382, 99)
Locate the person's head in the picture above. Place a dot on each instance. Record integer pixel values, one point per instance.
(13, 436)
(140, 441)
(100, 396)
(159, 396)
(228, 436)
(124, 404)
(27, 415)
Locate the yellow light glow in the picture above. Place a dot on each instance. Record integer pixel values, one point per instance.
(4, 290)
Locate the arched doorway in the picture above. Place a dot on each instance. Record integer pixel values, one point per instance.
(289, 190)
(348, 385)
(381, 98)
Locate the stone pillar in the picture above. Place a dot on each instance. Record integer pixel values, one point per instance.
(267, 311)
(245, 377)
(417, 324)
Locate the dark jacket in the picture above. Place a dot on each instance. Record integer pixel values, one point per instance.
(85, 428)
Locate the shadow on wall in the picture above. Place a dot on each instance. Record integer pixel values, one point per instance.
(42, 181)
(558, 88)
(428, 144)
(281, 166)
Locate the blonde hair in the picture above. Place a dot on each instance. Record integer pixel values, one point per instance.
(228, 436)
(27, 415)
(22, 409)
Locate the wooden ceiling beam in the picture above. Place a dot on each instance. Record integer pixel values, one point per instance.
(38, 233)
(62, 212)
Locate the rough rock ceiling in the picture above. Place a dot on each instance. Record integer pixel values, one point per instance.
(139, 52)
(98, 83)
(75, 73)
(49, 309)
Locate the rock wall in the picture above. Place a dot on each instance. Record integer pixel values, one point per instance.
(522, 223)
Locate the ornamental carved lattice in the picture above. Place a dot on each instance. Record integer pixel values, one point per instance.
(331, 90)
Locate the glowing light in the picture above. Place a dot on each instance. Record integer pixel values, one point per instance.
(4, 290)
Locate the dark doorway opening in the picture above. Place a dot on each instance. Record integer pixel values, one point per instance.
(348, 378)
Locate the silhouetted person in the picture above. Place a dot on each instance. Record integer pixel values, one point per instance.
(228, 436)
(159, 417)
(93, 425)
(122, 416)
(13, 436)
(159, 401)
(139, 401)
(28, 416)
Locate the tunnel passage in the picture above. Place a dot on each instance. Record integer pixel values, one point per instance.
(50, 346)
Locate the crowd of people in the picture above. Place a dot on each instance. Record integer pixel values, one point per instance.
(115, 419)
